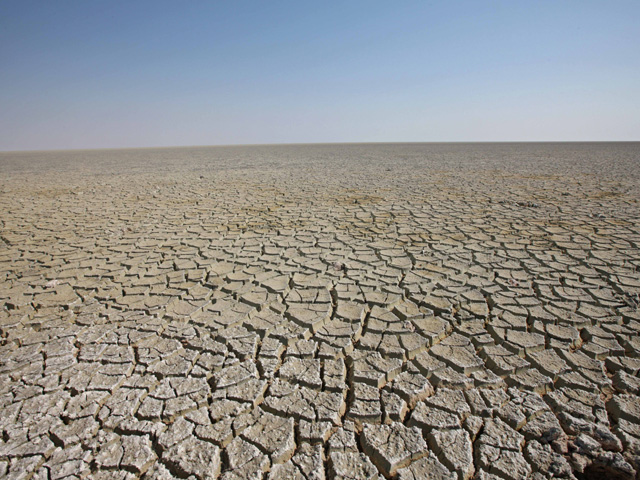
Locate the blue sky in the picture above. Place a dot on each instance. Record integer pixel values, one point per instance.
(108, 74)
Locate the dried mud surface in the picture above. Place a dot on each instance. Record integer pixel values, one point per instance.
(308, 312)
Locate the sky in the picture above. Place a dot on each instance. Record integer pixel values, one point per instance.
(117, 74)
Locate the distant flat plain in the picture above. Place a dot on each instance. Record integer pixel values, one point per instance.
(435, 310)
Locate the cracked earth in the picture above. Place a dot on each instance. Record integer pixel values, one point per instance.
(311, 312)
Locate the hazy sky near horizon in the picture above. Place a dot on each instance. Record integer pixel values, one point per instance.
(93, 74)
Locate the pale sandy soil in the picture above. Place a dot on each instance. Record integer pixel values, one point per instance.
(337, 311)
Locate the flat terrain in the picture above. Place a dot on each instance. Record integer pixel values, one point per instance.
(441, 311)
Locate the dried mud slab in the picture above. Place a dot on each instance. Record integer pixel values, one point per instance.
(307, 312)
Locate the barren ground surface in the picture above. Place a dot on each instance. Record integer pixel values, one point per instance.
(309, 312)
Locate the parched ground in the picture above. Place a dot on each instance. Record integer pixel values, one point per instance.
(307, 312)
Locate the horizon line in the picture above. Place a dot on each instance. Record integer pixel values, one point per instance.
(157, 147)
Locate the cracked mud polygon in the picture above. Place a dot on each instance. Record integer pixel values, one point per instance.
(441, 311)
